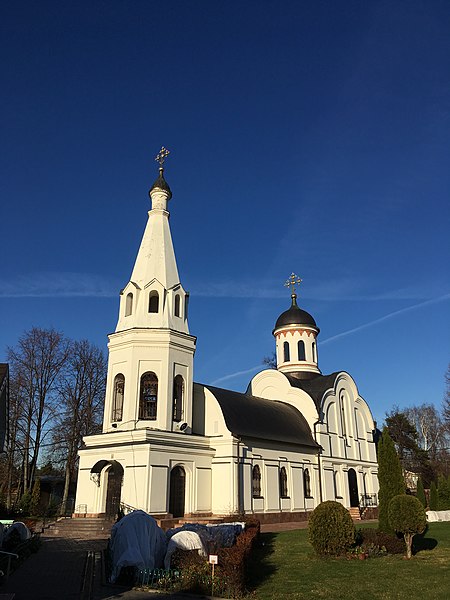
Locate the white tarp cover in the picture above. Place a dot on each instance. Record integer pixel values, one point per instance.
(19, 527)
(184, 540)
(438, 515)
(138, 541)
(206, 536)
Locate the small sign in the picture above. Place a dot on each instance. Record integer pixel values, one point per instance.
(213, 559)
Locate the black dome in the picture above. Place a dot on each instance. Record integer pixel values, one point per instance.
(162, 184)
(295, 316)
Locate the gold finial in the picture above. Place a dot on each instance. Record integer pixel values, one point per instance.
(292, 282)
(161, 156)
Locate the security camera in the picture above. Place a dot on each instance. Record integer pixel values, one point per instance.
(182, 426)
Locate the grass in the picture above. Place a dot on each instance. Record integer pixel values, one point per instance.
(284, 567)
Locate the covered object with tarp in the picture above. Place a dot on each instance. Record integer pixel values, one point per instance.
(137, 541)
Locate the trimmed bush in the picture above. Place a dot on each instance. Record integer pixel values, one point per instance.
(407, 516)
(331, 529)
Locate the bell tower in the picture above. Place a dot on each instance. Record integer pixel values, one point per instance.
(151, 352)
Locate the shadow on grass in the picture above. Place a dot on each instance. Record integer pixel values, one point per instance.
(258, 567)
(421, 542)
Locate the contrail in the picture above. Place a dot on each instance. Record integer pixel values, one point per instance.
(345, 333)
(232, 375)
(385, 318)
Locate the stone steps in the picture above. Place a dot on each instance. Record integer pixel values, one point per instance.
(80, 528)
(354, 513)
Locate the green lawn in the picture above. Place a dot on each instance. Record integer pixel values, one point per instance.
(284, 566)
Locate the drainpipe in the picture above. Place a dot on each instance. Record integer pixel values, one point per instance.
(239, 486)
(319, 462)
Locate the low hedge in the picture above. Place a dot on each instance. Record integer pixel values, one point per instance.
(229, 574)
(369, 536)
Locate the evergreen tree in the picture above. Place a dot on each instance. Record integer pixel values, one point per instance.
(420, 494)
(35, 497)
(390, 479)
(443, 493)
(433, 497)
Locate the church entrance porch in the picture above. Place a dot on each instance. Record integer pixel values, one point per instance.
(177, 491)
(108, 477)
(353, 488)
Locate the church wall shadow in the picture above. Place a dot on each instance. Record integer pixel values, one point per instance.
(258, 567)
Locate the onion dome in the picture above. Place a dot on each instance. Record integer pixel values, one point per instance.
(295, 316)
(161, 184)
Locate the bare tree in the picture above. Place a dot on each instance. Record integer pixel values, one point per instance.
(14, 449)
(429, 426)
(35, 364)
(81, 394)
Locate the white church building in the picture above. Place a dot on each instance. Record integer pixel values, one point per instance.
(174, 448)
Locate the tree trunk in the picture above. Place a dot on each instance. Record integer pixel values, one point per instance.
(408, 541)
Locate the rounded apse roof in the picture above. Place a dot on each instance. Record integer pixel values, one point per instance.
(295, 316)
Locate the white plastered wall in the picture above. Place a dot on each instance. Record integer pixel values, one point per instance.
(147, 457)
(346, 436)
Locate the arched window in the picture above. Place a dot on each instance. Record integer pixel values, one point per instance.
(314, 355)
(301, 350)
(153, 302)
(307, 483)
(148, 398)
(129, 304)
(118, 394)
(178, 394)
(256, 482)
(283, 483)
(177, 305)
(287, 356)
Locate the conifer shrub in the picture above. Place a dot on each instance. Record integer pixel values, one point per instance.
(407, 516)
(331, 529)
(433, 496)
(443, 493)
(420, 494)
(390, 478)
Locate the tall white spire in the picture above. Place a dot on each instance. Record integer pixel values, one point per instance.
(154, 296)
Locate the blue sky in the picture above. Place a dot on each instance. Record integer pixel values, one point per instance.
(305, 136)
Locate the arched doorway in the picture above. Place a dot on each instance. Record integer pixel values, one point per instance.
(177, 491)
(112, 480)
(353, 488)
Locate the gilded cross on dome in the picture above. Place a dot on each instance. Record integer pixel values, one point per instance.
(292, 282)
(161, 156)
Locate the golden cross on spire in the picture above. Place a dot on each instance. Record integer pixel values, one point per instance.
(161, 156)
(292, 282)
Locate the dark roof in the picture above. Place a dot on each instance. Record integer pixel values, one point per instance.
(162, 184)
(295, 316)
(251, 416)
(315, 386)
